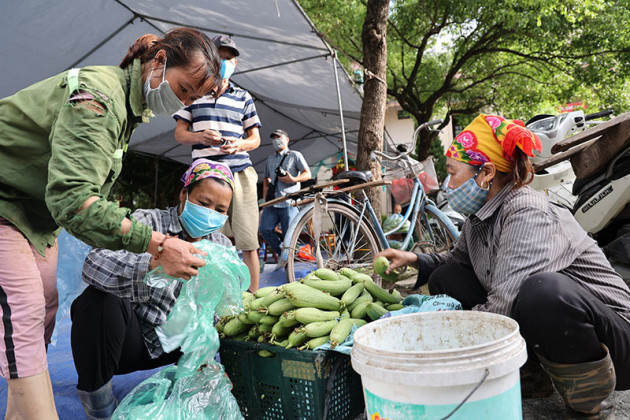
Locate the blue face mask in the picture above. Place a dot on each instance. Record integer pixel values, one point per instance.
(468, 198)
(199, 221)
(227, 68)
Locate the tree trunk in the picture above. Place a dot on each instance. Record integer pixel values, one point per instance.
(423, 144)
(374, 92)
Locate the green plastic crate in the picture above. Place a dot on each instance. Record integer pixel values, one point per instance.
(293, 384)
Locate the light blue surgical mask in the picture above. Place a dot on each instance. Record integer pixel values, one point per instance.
(161, 100)
(227, 69)
(199, 221)
(468, 198)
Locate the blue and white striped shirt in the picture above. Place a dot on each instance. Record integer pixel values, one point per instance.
(232, 113)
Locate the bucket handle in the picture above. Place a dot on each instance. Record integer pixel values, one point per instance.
(485, 376)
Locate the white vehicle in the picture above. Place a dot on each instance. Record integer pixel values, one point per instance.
(556, 180)
(600, 160)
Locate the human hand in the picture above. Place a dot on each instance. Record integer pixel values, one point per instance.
(178, 259)
(230, 145)
(287, 179)
(397, 258)
(211, 137)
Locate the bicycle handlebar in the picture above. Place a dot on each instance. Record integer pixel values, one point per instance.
(598, 115)
(384, 156)
(437, 121)
(415, 133)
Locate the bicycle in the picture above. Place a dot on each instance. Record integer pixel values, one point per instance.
(335, 230)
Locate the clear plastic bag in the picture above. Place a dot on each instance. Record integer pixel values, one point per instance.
(185, 391)
(72, 253)
(394, 220)
(204, 395)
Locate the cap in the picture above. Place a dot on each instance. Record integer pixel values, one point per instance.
(227, 42)
(278, 133)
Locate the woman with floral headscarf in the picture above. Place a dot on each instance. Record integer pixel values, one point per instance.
(521, 256)
(114, 320)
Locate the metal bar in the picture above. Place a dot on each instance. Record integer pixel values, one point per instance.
(281, 64)
(376, 223)
(414, 193)
(343, 130)
(231, 34)
(418, 207)
(104, 41)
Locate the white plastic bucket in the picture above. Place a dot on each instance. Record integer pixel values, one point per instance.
(423, 365)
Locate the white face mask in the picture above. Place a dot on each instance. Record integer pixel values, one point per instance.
(278, 143)
(161, 100)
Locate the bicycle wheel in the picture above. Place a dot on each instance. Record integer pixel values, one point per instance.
(437, 239)
(344, 241)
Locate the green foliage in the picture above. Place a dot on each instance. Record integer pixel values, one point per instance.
(439, 159)
(516, 58)
(136, 186)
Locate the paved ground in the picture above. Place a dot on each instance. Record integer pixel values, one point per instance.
(553, 407)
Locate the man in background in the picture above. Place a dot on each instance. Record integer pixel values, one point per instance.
(284, 171)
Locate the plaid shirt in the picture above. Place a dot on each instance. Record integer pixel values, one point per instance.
(121, 273)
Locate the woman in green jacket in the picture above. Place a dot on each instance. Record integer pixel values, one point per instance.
(62, 142)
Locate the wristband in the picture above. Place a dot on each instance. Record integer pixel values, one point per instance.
(160, 246)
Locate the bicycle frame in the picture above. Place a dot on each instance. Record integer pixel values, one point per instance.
(300, 215)
(420, 202)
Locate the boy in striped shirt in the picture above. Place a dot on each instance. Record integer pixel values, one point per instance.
(224, 127)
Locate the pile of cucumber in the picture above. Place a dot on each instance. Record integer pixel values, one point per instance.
(322, 307)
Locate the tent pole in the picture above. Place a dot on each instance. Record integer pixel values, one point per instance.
(343, 130)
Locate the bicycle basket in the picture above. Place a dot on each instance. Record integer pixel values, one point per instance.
(402, 186)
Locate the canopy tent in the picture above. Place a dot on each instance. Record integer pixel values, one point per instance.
(284, 64)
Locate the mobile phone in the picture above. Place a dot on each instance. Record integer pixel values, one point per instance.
(224, 141)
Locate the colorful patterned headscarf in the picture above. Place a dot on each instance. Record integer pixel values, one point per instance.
(204, 168)
(490, 138)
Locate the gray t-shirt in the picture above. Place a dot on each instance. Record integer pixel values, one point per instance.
(294, 164)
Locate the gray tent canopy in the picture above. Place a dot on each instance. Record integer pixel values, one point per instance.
(289, 70)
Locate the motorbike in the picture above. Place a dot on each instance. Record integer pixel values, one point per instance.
(556, 180)
(600, 162)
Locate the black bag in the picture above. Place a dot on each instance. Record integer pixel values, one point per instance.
(271, 188)
(271, 192)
